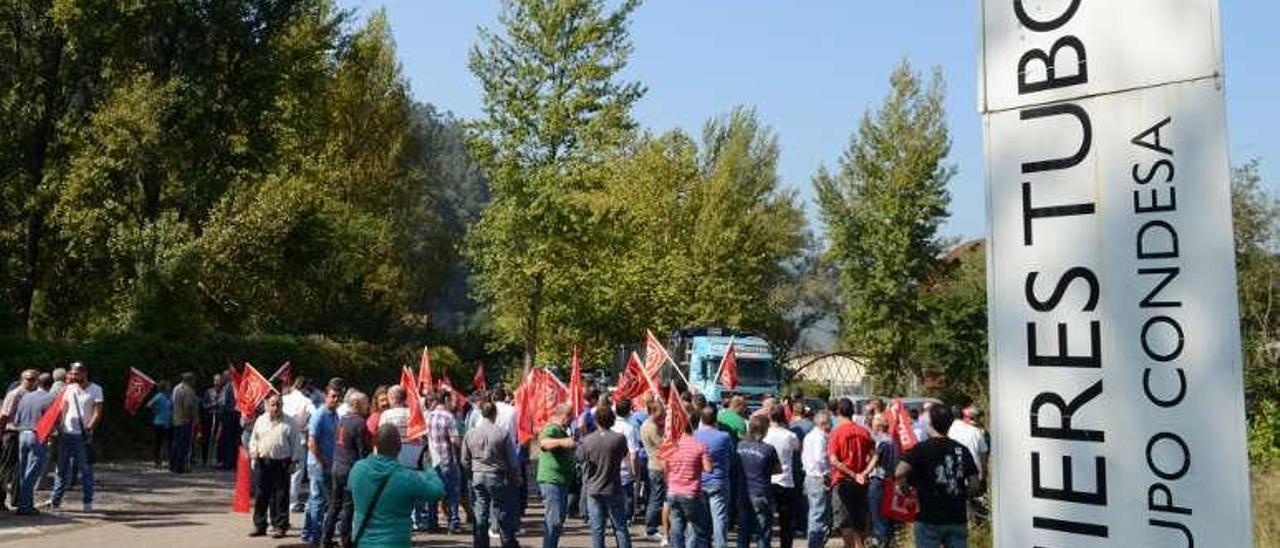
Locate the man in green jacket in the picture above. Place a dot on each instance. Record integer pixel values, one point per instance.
(388, 525)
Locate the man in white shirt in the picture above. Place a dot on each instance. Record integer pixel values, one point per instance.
(785, 442)
(298, 407)
(627, 471)
(817, 471)
(81, 411)
(971, 437)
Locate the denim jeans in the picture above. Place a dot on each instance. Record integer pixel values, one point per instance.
(881, 527)
(819, 496)
(317, 502)
(602, 508)
(31, 456)
(73, 452)
(555, 497)
(657, 496)
(718, 508)
(180, 452)
(951, 535)
(491, 492)
(629, 502)
(452, 478)
(757, 524)
(690, 527)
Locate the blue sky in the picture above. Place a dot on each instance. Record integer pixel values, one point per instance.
(812, 68)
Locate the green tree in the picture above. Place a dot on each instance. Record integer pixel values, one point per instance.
(554, 110)
(1256, 225)
(882, 209)
(951, 342)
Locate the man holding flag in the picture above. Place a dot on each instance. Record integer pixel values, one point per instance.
(81, 412)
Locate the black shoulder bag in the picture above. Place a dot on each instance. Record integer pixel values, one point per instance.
(368, 513)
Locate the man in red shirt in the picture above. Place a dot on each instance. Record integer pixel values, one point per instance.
(853, 456)
(684, 468)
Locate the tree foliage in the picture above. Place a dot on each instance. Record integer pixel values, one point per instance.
(1256, 224)
(554, 111)
(882, 209)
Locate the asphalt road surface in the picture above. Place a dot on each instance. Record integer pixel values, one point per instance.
(136, 506)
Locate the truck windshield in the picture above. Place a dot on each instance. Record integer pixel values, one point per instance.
(750, 372)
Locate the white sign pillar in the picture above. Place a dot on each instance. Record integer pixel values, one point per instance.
(1116, 375)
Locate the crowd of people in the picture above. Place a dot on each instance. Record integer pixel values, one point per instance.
(372, 479)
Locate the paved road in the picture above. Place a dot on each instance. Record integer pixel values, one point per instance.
(139, 507)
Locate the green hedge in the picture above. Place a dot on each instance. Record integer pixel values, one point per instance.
(109, 359)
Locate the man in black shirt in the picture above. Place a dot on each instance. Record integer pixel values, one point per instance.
(759, 464)
(601, 454)
(352, 444)
(943, 473)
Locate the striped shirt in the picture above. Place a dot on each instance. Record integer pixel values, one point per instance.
(684, 467)
(441, 429)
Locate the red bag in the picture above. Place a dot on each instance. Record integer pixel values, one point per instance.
(899, 506)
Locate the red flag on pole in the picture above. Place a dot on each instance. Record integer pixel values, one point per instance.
(447, 386)
(900, 427)
(136, 389)
(478, 383)
(655, 355)
(729, 368)
(631, 383)
(536, 399)
(576, 392)
(284, 373)
(253, 389)
(49, 419)
(676, 421)
(417, 422)
(425, 382)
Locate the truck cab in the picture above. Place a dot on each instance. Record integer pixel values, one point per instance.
(699, 351)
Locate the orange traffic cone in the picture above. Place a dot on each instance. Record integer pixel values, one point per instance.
(240, 503)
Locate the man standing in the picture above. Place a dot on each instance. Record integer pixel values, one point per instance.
(817, 472)
(651, 437)
(629, 471)
(353, 444)
(9, 438)
(785, 442)
(208, 409)
(229, 425)
(686, 464)
(881, 479)
(385, 493)
(555, 473)
(31, 453)
(944, 475)
(966, 433)
(602, 453)
(186, 411)
(759, 463)
(853, 457)
(733, 419)
(442, 438)
(715, 483)
(321, 439)
(490, 455)
(275, 446)
(297, 406)
(82, 410)
(161, 405)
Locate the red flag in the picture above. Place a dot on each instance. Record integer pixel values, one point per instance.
(447, 386)
(284, 373)
(729, 368)
(236, 377)
(478, 383)
(417, 422)
(424, 373)
(253, 389)
(655, 355)
(136, 389)
(50, 417)
(676, 421)
(632, 383)
(900, 427)
(576, 396)
(536, 399)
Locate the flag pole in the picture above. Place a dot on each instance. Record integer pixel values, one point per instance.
(723, 358)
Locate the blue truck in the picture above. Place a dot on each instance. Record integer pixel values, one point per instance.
(700, 350)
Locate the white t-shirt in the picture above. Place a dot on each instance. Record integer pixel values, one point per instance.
(813, 456)
(628, 430)
(298, 407)
(78, 406)
(506, 419)
(972, 438)
(785, 443)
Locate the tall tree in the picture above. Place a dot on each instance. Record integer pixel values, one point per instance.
(1256, 220)
(554, 110)
(882, 209)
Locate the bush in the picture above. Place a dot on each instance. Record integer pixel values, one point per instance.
(109, 359)
(1264, 434)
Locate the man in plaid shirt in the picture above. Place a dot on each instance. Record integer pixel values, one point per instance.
(442, 440)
